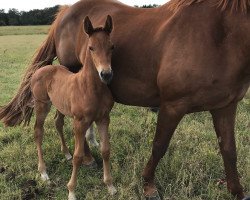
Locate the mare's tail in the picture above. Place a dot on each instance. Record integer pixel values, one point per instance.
(20, 108)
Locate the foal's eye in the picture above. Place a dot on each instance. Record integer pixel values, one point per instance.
(91, 48)
(112, 47)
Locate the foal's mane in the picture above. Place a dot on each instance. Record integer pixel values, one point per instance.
(98, 29)
(232, 5)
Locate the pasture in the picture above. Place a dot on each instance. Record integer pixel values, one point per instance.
(192, 169)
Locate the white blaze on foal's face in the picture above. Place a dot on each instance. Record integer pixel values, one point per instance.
(101, 47)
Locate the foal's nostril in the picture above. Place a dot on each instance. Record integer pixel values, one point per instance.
(106, 75)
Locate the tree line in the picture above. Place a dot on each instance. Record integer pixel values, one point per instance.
(34, 17)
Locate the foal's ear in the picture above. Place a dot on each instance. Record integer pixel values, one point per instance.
(88, 27)
(109, 24)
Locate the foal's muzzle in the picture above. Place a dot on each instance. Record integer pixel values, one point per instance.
(106, 76)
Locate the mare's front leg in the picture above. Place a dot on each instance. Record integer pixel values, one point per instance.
(224, 122)
(168, 118)
(59, 122)
(41, 112)
(80, 128)
(102, 126)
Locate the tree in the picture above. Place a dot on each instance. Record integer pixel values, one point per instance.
(35, 17)
(147, 6)
(13, 17)
(3, 18)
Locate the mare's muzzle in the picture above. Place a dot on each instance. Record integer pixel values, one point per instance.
(106, 76)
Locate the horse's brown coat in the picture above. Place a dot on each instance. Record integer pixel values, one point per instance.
(185, 56)
(82, 96)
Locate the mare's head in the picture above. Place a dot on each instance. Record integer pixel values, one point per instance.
(100, 47)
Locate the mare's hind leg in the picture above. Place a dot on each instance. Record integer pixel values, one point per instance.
(105, 151)
(88, 159)
(224, 122)
(59, 127)
(41, 111)
(169, 117)
(90, 136)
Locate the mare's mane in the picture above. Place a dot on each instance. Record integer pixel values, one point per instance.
(232, 5)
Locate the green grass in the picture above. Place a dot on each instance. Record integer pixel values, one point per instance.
(23, 30)
(190, 169)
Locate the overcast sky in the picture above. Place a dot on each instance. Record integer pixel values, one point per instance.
(25, 5)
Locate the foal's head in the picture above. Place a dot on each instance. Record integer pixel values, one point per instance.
(100, 47)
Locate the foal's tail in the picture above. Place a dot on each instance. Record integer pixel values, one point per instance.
(20, 108)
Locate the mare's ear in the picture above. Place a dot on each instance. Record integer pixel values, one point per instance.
(109, 24)
(88, 27)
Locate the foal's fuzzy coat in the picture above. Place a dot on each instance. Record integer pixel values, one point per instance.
(83, 96)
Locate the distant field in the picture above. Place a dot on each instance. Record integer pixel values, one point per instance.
(191, 169)
(23, 30)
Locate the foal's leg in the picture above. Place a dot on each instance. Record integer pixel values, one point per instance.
(88, 159)
(168, 119)
(79, 134)
(224, 122)
(105, 151)
(90, 136)
(41, 110)
(59, 126)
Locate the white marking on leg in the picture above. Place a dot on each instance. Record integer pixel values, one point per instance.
(44, 176)
(94, 143)
(90, 136)
(68, 156)
(112, 190)
(71, 196)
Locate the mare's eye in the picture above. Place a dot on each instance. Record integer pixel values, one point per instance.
(91, 48)
(112, 47)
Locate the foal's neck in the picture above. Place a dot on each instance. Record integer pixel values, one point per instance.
(88, 75)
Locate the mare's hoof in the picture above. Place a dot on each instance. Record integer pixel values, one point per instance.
(91, 165)
(94, 144)
(246, 198)
(68, 156)
(154, 196)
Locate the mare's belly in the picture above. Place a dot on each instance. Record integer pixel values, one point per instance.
(215, 98)
(135, 92)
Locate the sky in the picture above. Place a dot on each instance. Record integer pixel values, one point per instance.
(26, 5)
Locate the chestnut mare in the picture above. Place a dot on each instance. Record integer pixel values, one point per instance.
(84, 96)
(185, 56)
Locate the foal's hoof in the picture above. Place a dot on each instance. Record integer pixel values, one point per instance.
(91, 165)
(112, 190)
(45, 177)
(154, 196)
(246, 198)
(72, 196)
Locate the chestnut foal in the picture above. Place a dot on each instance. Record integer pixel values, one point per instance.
(84, 96)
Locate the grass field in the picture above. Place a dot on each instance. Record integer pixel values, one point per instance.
(190, 170)
(23, 30)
